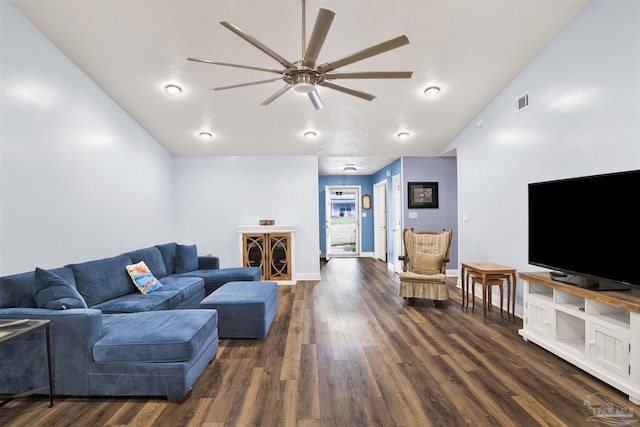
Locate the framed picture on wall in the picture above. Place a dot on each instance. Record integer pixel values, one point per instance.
(423, 195)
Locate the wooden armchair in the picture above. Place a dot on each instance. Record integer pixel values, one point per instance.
(426, 254)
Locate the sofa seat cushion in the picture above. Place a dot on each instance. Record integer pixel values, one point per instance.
(186, 285)
(104, 279)
(245, 309)
(177, 336)
(213, 279)
(137, 302)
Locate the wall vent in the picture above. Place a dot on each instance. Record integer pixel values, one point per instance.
(522, 102)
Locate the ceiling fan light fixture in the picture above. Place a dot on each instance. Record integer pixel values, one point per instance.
(303, 83)
(432, 91)
(173, 89)
(403, 135)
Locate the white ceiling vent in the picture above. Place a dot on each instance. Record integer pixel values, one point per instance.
(522, 102)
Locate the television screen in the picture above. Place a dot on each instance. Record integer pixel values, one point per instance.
(587, 229)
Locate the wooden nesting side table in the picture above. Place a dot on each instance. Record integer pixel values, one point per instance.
(484, 269)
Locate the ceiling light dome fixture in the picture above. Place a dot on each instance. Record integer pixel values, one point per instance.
(205, 135)
(432, 91)
(403, 135)
(173, 89)
(310, 134)
(349, 168)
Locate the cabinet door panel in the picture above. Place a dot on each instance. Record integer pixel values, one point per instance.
(254, 251)
(279, 256)
(538, 318)
(609, 350)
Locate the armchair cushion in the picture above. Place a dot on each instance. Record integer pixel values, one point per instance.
(427, 263)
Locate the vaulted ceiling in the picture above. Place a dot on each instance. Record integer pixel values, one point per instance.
(470, 49)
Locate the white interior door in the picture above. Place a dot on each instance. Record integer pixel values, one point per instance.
(380, 220)
(396, 221)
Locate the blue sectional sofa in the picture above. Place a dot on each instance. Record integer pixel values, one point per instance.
(108, 338)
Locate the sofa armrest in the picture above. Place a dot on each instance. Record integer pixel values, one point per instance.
(72, 332)
(208, 263)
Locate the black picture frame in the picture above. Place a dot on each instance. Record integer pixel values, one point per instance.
(423, 195)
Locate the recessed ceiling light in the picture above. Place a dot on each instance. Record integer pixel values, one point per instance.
(310, 135)
(432, 91)
(403, 135)
(173, 89)
(205, 135)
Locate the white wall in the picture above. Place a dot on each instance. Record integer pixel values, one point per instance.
(584, 119)
(215, 195)
(80, 179)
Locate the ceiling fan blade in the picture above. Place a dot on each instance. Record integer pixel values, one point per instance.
(342, 88)
(365, 53)
(315, 99)
(276, 95)
(247, 84)
(257, 44)
(226, 64)
(371, 75)
(318, 35)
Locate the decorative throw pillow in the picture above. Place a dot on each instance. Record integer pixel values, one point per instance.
(186, 258)
(427, 263)
(53, 292)
(142, 277)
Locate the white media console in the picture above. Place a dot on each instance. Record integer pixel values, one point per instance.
(597, 331)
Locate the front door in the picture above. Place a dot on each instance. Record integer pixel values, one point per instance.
(342, 221)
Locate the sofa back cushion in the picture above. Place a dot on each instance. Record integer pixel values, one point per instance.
(103, 279)
(16, 290)
(168, 252)
(55, 293)
(186, 258)
(152, 258)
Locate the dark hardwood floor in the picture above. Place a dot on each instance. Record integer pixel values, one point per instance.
(346, 351)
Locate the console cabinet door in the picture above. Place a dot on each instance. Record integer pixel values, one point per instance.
(539, 317)
(279, 256)
(610, 349)
(254, 253)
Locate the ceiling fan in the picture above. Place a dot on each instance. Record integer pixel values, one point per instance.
(304, 75)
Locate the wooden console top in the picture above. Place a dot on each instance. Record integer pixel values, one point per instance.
(627, 300)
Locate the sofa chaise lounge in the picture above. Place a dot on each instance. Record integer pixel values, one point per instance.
(108, 338)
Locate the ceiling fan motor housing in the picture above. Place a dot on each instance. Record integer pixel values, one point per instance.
(303, 81)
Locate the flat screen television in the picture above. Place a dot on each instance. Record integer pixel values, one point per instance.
(587, 230)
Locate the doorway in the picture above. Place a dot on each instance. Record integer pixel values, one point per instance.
(342, 221)
(380, 220)
(396, 222)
